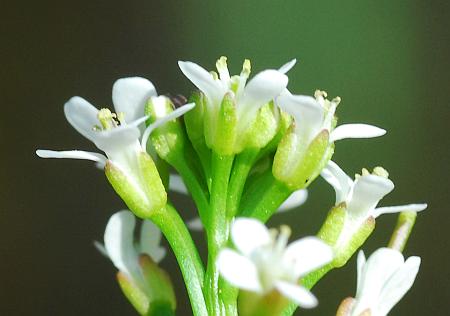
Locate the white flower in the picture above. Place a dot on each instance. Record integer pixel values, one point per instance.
(383, 280)
(249, 97)
(263, 262)
(361, 196)
(118, 134)
(124, 252)
(312, 115)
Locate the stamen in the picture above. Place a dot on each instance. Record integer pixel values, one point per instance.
(283, 237)
(108, 120)
(246, 68)
(222, 68)
(381, 172)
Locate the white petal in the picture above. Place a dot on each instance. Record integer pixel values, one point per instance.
(115, 142)
(238, 270)
(119, 242)
(176, 184)
(397, 286)
(356, 131)
(287, 66)
(368, 190)
(261, 89)
(203, 80)
(378, 269)
(150, 241)
(161, 121)
(296, 199)
(338, 179)
(101, 248)
(72, 154)
(129, 96)
(397, 209)
(307, 254)
(82, 116)
(195, 224)
(360, 265)
(307, 112)
(297, 294)
(248, 234)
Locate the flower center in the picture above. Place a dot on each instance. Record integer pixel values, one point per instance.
(108, 120)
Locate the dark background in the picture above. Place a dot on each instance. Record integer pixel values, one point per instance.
(388, 60)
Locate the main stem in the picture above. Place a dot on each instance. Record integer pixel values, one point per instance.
(176, 233)
(217, 228)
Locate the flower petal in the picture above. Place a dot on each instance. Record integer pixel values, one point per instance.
(368, 190)
(296, 199)
(177, 185)
(397, 209)
(82, 116)
(117, 141)
(72, 154)
(307, 112)
(338, 179)
(307, 254)
(356, 131)
(297, 294)
(238, 270)
(203, 80)
(261, 89)
(150, 240)
(397, 286)
(119, 242)
(378, 269)
(101, 248)
(248, 234)
(287, 66)
(360, 265)
(129, 96)
(161, 121)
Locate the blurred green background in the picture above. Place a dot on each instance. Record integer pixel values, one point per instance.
(388, 60)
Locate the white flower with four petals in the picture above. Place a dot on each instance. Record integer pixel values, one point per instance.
(264, 262)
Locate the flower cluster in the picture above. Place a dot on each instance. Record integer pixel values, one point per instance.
(244, 149)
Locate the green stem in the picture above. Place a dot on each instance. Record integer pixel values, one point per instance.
(241, 168)
(199, 194)
(217, 227)
(400, 236)
(176, 233)
(264, 197)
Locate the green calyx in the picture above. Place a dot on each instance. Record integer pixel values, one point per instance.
(142, 191)
(296, 165)
(262, 130)
(156, 296)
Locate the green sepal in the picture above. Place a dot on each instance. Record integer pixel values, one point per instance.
(261, 131)
(194, 119)
(160, 288)
(158, 297)
(254, 304)
(143, 192)
(224, 143)
(168, 139)
(298, 167)
(343, 254)
(332, 227)
(284, 123)
(133, 293)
